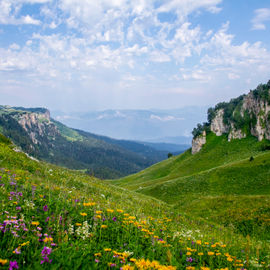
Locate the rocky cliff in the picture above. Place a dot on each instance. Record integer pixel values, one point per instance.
(37, 125)
(246, 115)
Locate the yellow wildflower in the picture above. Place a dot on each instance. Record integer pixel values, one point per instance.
(98, 212)
(35, 223)
(3, 261)
(110, 210)
(97, 254)
(48, 239)
(210, 253)
(107, 249)
(78, 224)
(83, 214)
(104, 226)
(127, 267)
(119, 210)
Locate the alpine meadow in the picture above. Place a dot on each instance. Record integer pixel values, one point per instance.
(134, 135)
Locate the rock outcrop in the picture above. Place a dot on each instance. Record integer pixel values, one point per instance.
(261, 109)
(243, 116)
(217, 125)
(37, 125)
(198, 142)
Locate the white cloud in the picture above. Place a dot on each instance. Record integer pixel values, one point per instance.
(233, 76)
(261, 16)
(14, 46)
(165, 118)
(29, 20)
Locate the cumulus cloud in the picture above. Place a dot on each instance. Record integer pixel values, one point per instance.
(119, 46)
(262, 15)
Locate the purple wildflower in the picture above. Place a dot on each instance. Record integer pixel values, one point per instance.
(189, 259)
(13, 265)
(45, 259)
(45, 208)
(46, 251)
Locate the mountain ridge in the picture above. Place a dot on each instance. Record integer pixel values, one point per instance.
(45, 138)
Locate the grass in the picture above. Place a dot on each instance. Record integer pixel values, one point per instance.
(227, 183)
(55, 218)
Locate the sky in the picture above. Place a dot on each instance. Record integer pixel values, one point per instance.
(83, 55)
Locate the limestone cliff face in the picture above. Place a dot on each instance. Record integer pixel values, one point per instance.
(261, 109)
(248, 114)
(37, 125)
(217, 125)
(198, 142)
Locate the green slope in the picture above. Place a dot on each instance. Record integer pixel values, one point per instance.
(32, 192)
(226, 182)
(217, 152)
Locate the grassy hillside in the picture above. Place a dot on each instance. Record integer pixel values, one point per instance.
(217, 152)
(226, 182)
(56, 218)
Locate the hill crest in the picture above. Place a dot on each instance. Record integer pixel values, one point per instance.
(242, 116)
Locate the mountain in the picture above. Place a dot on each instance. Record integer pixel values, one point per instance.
(36, 133)
(241, 117)
(139, 125)
(226, 175)
(57, 218)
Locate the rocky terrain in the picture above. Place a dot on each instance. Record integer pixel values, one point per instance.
(243, 116)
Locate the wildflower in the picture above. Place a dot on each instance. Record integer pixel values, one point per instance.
(200, 254)
(98, 212)
(3, 261)
(83, 214)
(97, 254)
(114, 219)
(104, 226)
(127, 267)
(110, 210)
(188, 253)
(45, 208)
(78, 224)
(35, 223)
(210, 253)
(47, 239)
(17, 250)
(189, 259)
(46, 251)
(25, 243)
(119, 210)
(107, 249)
(13, 265)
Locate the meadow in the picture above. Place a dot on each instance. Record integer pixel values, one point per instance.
(55, 218)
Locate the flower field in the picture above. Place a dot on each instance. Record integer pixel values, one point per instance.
(45, 226)
(54, 218)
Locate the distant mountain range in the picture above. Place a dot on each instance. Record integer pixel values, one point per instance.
(36, 133)
(169, 126)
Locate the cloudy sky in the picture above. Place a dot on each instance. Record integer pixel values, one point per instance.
(79, 55)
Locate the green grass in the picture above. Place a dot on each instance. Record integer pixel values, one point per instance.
(221, 184)
(48, 201)
(217, 152)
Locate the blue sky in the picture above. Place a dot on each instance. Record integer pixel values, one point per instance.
(79, 55)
